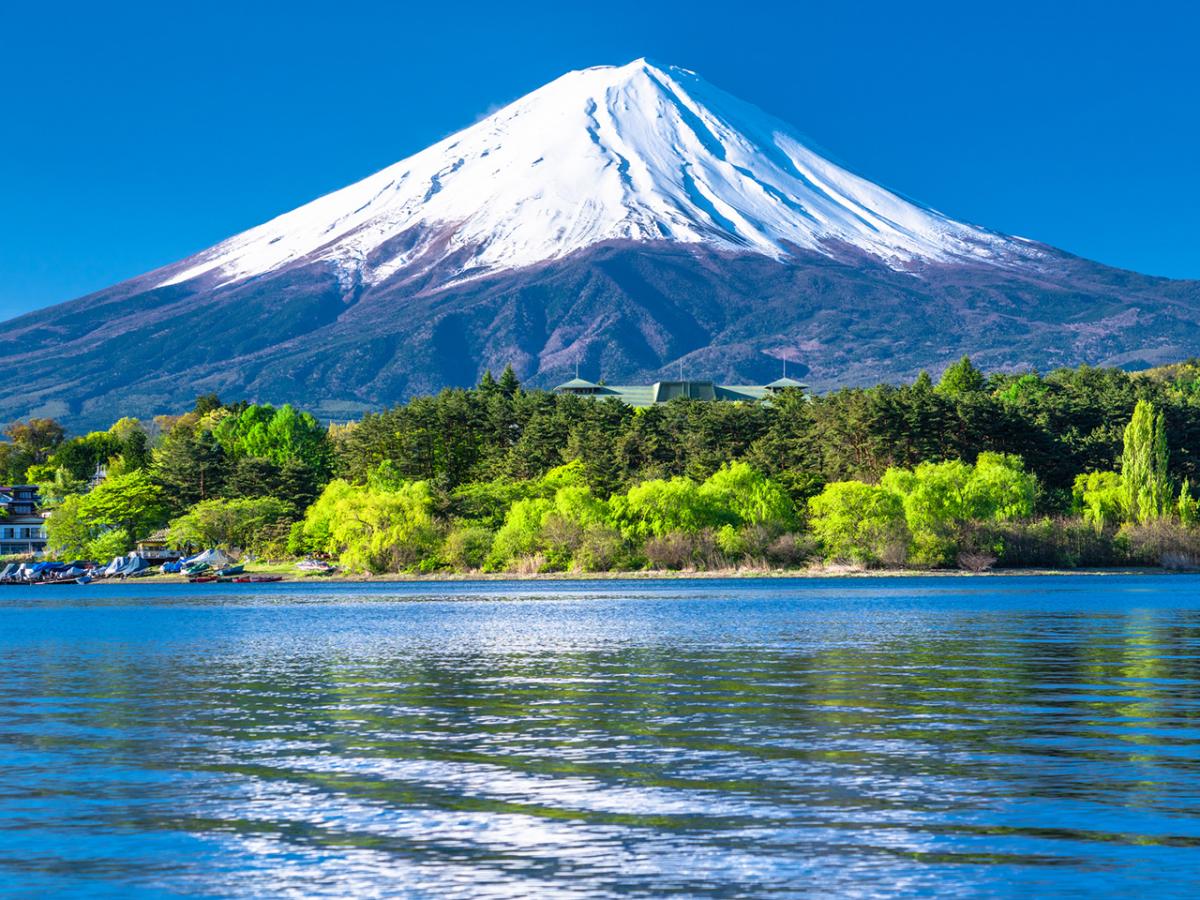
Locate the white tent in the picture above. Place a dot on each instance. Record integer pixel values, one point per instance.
(214, 558)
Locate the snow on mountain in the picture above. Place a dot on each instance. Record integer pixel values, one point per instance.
(636, 152)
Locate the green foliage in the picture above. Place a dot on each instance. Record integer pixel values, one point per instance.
(29, 444)
(206, 403)
(317, 532)
(230, 524)
(860, 522)
(924, 514)
(67, 532)
(1187, 507)
(375, 529)
(942, 499)
(521, 533)
(1025, 390)
(557, 481)
(1055, 542)
(508, 385)
(467, 547)
(1144, 465)
(37, 439)
(961, 378)
(244, 451)
(603, 549)
(281, 435)
(746, 496)
(1099, 498)
(292, 482)
(488, 502)
(190, 464)
(114, 542)
(121, 449)
(58, 486)
(1000, 489)
(557, 526)
(108, 521)
(132, 502)
(660, 506)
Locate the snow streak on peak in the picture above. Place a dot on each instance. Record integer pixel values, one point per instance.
(637, 152)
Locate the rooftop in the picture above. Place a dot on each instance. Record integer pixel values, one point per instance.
(638, 395)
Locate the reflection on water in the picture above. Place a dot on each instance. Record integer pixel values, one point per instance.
(878, 737)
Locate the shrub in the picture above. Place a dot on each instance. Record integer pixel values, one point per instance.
(1187, 507)
(116, 542)
(673, 550)
(529, 564)
(1163, 543)
(560, 538)
(520, 534)
(466, 547)
(976, 561)
(1051, 543)
(680, 550)
(602, 549)
(790, 550)
(747, 542)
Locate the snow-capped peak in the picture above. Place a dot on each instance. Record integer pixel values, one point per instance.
(638, 152)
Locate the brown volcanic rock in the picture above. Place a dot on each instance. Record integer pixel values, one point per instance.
(625, 311)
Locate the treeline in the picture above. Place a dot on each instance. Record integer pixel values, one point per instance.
(972, 470)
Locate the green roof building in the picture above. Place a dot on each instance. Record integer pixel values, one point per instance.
(664, 391)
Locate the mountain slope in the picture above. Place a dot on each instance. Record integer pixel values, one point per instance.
(636, 152)
(623, 218)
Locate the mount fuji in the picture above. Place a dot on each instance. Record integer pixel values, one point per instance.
(622, 219)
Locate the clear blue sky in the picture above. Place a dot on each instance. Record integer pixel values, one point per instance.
(135, 133)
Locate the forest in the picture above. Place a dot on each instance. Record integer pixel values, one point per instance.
(1078, 467)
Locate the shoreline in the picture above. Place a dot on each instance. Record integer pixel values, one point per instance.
(829, 573)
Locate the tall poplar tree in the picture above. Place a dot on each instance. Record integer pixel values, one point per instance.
(1144, 464)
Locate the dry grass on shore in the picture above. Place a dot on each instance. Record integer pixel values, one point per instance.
(820, 571)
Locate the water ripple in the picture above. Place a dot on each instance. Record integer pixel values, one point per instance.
(883, 737)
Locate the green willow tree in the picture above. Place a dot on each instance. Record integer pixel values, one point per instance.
(1144, 461)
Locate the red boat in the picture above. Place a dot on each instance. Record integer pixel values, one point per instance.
(256, 579)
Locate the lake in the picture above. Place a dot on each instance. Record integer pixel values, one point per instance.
(873, 737)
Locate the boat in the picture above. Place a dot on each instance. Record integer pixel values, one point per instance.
(229, 571)
(201, 579)
(257, 579)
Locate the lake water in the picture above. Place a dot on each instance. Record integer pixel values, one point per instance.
(981, 736)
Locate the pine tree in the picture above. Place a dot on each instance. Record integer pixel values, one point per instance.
(961, 378)
(509, 384)
(1144, 464)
